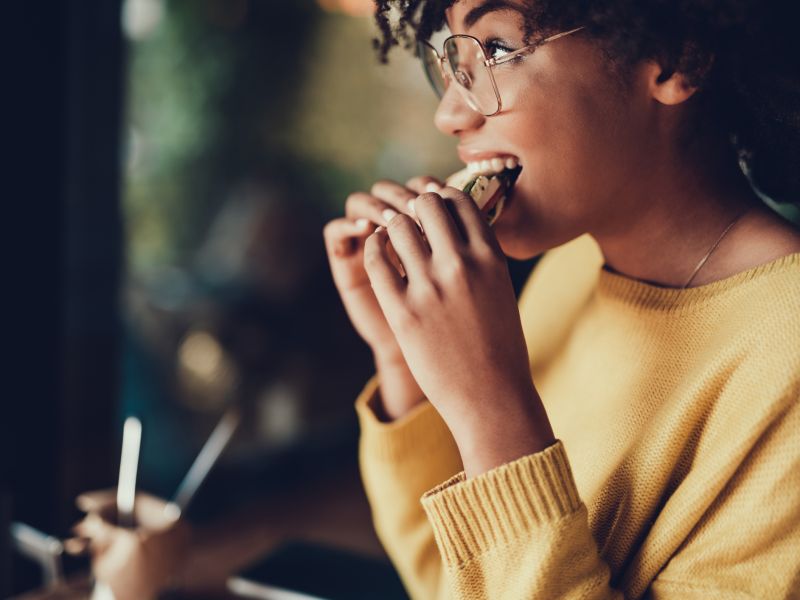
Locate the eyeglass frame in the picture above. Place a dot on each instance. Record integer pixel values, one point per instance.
(487, 62)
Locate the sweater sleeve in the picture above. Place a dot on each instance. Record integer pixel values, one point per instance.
(521, 531)
(399, 461)
(517, 531)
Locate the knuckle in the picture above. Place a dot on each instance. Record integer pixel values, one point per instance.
(400, 221)
(428, 200)
(426, 292)
(461, 199)
(489, 250)
(454, 270)
(458, 200)
(430, 197)
(486, 256)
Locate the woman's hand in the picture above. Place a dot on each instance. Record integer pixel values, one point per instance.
(455, 317)
(344, 242)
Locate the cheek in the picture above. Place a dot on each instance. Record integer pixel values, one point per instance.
(573, 140)
(578, 145)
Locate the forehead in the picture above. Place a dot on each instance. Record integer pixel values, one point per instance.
(466, 14)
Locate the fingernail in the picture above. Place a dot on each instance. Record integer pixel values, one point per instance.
(362, 223)
(433, 187)
(379, 228)
(411, 207)
(388, 214)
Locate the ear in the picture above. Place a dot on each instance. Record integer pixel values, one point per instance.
(667, 87)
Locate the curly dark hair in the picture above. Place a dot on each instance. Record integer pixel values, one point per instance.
(744, 56)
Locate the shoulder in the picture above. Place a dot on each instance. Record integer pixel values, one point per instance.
(761, 237)
(763, 269)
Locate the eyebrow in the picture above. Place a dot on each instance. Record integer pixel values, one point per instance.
(477, 13)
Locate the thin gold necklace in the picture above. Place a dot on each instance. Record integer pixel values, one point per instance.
(713, 247)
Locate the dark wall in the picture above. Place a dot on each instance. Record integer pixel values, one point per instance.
(62, 254)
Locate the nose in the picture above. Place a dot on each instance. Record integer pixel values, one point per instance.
(454, 115)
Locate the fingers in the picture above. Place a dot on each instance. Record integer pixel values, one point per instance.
(436, 217)
(362, 205)
(468, 218)
(385, 200)
(76, 546)
(99, 532)
(153, 513)
(424, 183)
(342, 236)
(393, 194)
(409, 246)
(385, 279)
(96, 500)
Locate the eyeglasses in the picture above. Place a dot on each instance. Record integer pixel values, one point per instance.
(466, 62)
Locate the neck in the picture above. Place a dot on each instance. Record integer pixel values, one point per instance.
(673, 217)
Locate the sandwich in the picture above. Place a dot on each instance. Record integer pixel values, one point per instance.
(488, 187)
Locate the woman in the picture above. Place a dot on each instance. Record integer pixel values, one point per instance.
(630, 429)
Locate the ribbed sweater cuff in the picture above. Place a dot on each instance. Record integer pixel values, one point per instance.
(421, 431)
(472, 516)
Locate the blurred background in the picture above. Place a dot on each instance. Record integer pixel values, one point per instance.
(174, 164)
(246, 125)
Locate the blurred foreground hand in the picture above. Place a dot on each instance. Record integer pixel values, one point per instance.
(137, 563)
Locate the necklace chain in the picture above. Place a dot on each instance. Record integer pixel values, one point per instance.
(711, 250)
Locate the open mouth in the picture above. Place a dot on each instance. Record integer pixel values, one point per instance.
(489, 183)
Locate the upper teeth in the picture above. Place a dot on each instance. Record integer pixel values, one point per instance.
(493, 165)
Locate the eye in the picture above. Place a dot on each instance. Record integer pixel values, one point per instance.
(497, 48)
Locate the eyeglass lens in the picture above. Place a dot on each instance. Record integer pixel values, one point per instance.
(464, 59)
(433, 71)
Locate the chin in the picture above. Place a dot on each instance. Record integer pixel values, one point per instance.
(524, 230)
(516, 235)
(519, 249)
(523, 238)
(517, 243)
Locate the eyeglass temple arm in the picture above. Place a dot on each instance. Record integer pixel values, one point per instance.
(490, 62)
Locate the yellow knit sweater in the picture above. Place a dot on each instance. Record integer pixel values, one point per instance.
(677, 471)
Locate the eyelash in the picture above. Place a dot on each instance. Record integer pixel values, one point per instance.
(494, 44)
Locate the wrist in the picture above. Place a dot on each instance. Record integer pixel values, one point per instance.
(503, 435)
(399, 392)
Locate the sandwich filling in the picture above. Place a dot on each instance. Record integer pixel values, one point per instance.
(489, 190)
